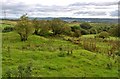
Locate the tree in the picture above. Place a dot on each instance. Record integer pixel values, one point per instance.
(56, 26)
(85, 26)
(44, 27)
(76, 31)
(66, 30)
(36, 25)
(24, 27)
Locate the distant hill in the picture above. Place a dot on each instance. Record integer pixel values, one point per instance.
(105, 20)
(82, 19)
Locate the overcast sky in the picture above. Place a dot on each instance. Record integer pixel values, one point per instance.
(60, 8)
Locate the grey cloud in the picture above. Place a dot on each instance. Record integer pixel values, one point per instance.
(95, 4)
(44, 10)
(92, 13)
(115, 13)
(17, 8)
(53, 8)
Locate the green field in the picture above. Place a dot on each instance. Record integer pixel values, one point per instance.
(42, 54)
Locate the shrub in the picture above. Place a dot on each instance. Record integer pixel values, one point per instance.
(62, 54)
(44, 28)
(20, 71)
(8, 29)
(77, 33)
(43, 33)
(24, 27)
(36, 25)
(66, 30)
(104, 35)
(84, 32)
(85, 25)
(93, 31)
(56, 26)
(75, 28)
(8, 73)
(115, 31)
(109, 65)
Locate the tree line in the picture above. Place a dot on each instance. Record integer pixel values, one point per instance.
(54, 27)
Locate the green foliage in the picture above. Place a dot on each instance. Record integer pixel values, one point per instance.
(8, 73)
(8, 29)
(56, 26)
(44, 28)
(93, 31)
(84, 32)
(109, 65)
(28, 70)
(100, 27)
(66, 30)
(62, 54)
(85, 25)
(89, 44)
(50, 60)
(73, 28)
(76, 30)
(24, 27)
(104, 35)
(77, 33)
(36, 25)
(20, 71)
(115, 31)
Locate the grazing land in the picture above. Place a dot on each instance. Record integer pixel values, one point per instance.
(83, 53)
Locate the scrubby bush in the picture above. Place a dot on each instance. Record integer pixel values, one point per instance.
(8, 29)
(104, 35)
(56, 26)
(84, 32)
(115, 31)
(20, 71)
(43, 33)
(77, 33)
(44, 28)
(66, 30)
(73, 28)
(85, 25)
(36, 25)
(8, 73)
(24, 27)
(93, 31)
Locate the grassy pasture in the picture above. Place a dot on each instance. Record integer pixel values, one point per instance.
(48, 61)
(43, 53)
